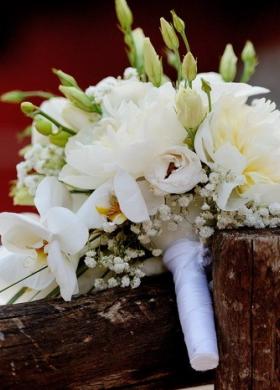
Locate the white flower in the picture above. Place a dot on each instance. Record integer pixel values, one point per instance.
(51, 242)
(219, 88)
(176, 170)
(242, 141)
(114, 201)
(142, 124)
(66, 114)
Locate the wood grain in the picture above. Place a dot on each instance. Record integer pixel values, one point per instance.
(119, 338)
(246, 279)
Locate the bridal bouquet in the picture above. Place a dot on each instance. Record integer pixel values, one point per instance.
(137, 169)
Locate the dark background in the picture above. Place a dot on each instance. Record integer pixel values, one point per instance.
(81, 37)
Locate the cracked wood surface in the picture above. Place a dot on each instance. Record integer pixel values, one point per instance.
(246, 280)
(119, 338)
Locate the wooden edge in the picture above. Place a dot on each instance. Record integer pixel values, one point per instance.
(120, 338)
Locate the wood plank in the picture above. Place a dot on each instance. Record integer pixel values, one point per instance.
(246, 294)
(119, 338)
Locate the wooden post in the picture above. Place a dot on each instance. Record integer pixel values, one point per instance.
(246, 278)
(120, 338)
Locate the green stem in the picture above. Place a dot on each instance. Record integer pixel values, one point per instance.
(41, 94)
(186, 42)
(209, 102)
(178, 60)
(21, 280)
(17, 295)
(55, 122)
(246, 75)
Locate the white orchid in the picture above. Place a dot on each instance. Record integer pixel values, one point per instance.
(48, 246)
(175, 171)
(243, 141)
(143, 123)
(118, 200)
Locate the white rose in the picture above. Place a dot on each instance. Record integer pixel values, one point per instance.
(142, 125)
(242, 141)
(176, 170)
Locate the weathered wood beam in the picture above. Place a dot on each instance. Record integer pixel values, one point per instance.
(246, 276)
(118, 338)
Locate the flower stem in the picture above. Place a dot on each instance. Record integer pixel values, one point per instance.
(55, 122)
(17, 295)
(21, 280)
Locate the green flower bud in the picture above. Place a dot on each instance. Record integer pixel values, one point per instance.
(60, 138)
(228, 64)
(65, 79)
(169, 35)
(206, 87)
(189, 67)
(138, 39)
(189, 108)
(248, 53)
(79, 99)
(124, 14)
(43, 126)
(250, 61)
(28, 108)
(152, 63)
(13, 97)
(178, 23)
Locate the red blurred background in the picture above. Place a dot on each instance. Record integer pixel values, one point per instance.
(82, 39)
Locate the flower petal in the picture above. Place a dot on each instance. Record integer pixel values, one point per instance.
(130, 198)
(13, 269)
(51, 193)
(64, 271)
(68, 229)
(229, 157)
(153, 202)
(88, 212)
(76, 179)
(20, 232)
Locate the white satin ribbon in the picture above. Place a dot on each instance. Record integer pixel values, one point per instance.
(184, 258)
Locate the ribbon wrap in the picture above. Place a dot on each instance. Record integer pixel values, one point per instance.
(184, 258)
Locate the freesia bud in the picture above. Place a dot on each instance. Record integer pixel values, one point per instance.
(228, 64)
(43, 126)
(189, 107)
(152, 63)
(178, 23)
(169, 35)
(79, 99)
(65, 79)
(60, 138)
(124, 14)
(28, 108)
(189, 67)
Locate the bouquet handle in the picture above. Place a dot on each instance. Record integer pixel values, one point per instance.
(184, 259)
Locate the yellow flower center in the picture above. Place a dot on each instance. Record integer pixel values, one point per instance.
(113, 212)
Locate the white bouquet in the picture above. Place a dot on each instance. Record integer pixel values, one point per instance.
(137, 167)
